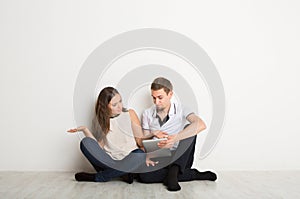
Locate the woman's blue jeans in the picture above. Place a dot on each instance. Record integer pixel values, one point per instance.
(106, 167)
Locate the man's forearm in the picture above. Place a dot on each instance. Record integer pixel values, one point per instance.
(191, 130)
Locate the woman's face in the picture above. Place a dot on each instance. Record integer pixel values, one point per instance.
(116, 105)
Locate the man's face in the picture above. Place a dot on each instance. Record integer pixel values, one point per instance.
(161, 99)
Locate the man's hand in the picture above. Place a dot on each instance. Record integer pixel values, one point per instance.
(161, 134)
(169, 143)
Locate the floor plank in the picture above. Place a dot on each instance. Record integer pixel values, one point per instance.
(230, 184)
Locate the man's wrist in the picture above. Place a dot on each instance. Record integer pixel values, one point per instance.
(177, 137)
(154, 133)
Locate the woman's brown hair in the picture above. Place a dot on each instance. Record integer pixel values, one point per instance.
(103, 112)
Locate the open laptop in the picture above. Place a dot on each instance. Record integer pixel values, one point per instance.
(153, 150)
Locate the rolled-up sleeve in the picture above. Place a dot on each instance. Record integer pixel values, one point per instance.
(186, 111)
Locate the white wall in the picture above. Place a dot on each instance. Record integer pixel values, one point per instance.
(254, 45)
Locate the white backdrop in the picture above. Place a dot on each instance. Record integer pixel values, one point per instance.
(255, 46)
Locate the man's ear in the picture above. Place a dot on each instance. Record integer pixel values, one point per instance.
(170, 94)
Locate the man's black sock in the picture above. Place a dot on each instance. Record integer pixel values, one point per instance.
(206, 175)
(82, 176)
(172, 179)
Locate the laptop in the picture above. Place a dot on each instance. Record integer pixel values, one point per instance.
(153, 150)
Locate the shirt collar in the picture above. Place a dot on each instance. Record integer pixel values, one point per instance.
(172, 110)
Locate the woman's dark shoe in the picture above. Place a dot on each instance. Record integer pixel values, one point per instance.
(128, 178)
(82, 176)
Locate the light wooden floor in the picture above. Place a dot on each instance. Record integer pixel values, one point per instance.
(230, 184)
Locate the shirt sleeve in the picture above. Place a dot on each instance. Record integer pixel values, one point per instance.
(186, 111)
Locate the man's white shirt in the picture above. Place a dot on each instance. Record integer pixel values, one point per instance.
(176, 122)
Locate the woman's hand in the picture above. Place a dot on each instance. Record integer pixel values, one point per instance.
(150, 162)
(85, 131)
(80, 128)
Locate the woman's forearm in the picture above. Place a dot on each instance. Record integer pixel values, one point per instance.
(88, 133)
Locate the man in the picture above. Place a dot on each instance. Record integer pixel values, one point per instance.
(168, 119)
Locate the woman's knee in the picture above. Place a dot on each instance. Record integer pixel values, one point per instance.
(82, 145)
(86, 141)
(138, 151)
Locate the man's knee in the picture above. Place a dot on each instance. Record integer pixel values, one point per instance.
(187, 143)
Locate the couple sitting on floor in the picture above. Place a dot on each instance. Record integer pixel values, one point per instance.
(115, 147)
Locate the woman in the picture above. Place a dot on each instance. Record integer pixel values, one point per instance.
(114, 150)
